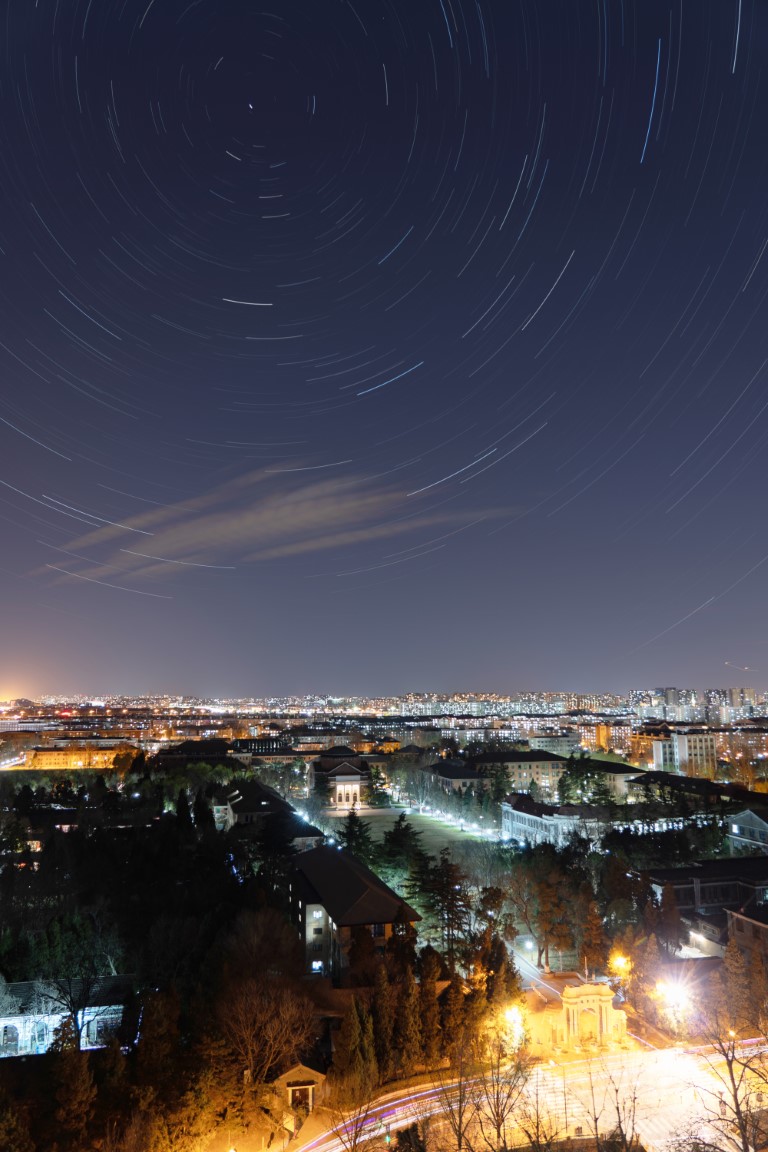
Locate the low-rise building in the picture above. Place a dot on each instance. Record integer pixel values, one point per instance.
(748, 830)
(332, 893)
(706, 891)
(529, 821)
(456, 775)
(77, 755)
(29, 1018)
(345, 775)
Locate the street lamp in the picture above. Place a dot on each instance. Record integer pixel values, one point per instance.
(676, 1001)
(514, 1029)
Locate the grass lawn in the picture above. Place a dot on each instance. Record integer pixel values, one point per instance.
(435, 834)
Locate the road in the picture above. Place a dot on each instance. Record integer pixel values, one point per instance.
(658, 1094)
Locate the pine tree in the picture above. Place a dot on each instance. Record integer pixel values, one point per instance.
(14, 1129)
(75, 1095)
(407, 1031)
(368, 1046)
(429, 1010)
(362, 954)
(201, 811)
(183, 813)
(401, 945)
(593, 944)
(453, 1020)
(347, 1061)
(670, 926)
(739, 1003)
(383, 1015)
(158, 1044)
(450, 899)
(503, 981)
(355, 836)
(758, 983)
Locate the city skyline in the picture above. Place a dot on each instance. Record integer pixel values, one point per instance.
(372, 350)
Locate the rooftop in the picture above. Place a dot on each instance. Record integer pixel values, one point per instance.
(350, 893)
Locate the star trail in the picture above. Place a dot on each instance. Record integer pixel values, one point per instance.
(372, 347)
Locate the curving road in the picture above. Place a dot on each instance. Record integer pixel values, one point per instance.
(659, 1095)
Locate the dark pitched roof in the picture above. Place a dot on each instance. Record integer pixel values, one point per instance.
(30, 995)
(522, 802)
(343, 768)
(350, 893)
(746, 869)
(518, 756)
(456, 770)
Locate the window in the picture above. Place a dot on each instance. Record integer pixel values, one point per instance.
(317, 965)
(317, 914)
(317, 931)
(317, 947)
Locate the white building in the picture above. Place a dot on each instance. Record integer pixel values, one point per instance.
(691, 753)
(29, 1020)
(748, 830)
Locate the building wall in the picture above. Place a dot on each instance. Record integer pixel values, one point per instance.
(747, 831)
(32, 1034)
(82, 756)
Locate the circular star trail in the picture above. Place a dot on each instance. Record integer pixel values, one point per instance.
(379, 346)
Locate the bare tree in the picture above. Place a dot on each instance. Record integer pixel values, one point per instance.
(736, 1105)
(265, 1025)
(420, 786)
(610, 1111)
(497, 1093)
(9, 1005)
(540, 1129)
(457, 1100)
(350, 1107)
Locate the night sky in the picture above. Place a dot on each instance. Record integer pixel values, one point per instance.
(402, 345)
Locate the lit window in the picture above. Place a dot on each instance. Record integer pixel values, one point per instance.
(317, 914)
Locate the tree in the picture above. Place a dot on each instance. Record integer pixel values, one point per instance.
(265, 1024)
(497, 1092)
(429, 1009)
(584, 782)
(355, 836)
(400, 845)
(401, 945)
(738, 1001)
(353, 1078)
(448, 893)
(735, 1105)
(669, 925)
(8, 1003)
(407, 1031)
(363, 957)
(71, 957)
(14, 1127)
(456, 1093)
(383, 1016)
(349, 1064)
(589, 934)
(201, 812)
(75, 1095)
(157, 1051)
(420, 787)
(453, 1020)
(183, 813)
